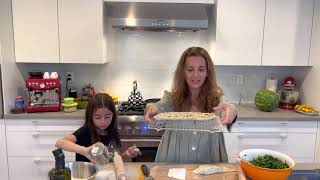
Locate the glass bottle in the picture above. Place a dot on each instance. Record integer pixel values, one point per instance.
(59, 172)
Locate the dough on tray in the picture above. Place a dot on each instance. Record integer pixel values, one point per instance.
(171, 116)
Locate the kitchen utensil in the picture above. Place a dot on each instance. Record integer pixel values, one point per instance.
(119, 167)
(255, 172)
(146, 173)
(82, 170)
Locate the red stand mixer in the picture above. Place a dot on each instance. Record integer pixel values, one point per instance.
(288, 95)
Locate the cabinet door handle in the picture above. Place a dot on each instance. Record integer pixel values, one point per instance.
(35, 134)
(241, 123)
(281, 135)
(36, 160)
(35, 122)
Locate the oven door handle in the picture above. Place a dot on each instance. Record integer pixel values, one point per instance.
(140, 140)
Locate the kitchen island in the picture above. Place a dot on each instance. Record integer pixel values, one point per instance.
(134, 171)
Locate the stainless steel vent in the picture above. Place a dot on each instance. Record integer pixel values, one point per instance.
(159, 16)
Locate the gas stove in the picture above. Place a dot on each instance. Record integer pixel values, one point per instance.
(126, 109)
(134, 126)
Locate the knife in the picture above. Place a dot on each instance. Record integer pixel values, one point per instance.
(145, 172)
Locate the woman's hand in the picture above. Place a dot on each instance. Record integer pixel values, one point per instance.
(132, 152)
(230, 112)
(151, 111)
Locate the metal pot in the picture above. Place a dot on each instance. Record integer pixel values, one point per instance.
(82, 170)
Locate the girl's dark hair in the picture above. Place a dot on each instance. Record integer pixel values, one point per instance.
(102, 100)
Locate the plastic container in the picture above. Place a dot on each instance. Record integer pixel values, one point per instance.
(19, 103)
(68, 100)
(71, 107)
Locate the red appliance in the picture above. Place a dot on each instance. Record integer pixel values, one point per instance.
(43, 95)
(288, 95)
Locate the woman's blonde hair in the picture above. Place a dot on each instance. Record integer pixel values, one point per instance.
(210, 92)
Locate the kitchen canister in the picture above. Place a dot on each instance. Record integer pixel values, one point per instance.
(272, 84)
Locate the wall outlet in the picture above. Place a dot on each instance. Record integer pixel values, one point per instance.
(70, 76)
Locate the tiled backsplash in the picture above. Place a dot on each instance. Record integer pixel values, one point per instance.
(151, 57)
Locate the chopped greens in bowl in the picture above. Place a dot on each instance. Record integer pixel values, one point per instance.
(268, 161)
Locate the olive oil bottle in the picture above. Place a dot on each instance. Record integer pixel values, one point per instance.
(59, 172)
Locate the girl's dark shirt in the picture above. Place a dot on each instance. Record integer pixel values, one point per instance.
(83, 136)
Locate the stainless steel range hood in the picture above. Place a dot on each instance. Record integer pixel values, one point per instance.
(159, 16)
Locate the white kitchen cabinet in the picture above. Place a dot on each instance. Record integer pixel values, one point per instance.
(280, 136)
(57, 31)
(263, 32)
(166, 1)
(36, 35)
(3, 152)
(35, 168)
(287, 32)
(239, 32)
(317, 152)
(31, 157)
(81, 31)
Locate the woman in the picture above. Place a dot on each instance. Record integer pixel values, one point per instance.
(194, 89)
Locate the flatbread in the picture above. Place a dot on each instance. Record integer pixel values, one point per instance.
(211, 169)
(173, 116)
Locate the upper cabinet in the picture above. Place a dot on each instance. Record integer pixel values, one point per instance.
(239, 33)
(81, 31)
(58, 31)
(36, 34)
(166, 1)
(263, 32)
(287, 32)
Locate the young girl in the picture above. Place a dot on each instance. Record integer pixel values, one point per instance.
(100, 126)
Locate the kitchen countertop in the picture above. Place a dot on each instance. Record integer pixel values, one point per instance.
(245, 112)
(134, 172)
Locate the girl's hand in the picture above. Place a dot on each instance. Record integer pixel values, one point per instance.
(132, 152)
(151, 111)
(230, 112)
(87, 153)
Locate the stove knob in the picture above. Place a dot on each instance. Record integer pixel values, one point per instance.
(128, 129)
(136, 130)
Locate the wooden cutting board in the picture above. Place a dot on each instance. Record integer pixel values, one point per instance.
(160, 172)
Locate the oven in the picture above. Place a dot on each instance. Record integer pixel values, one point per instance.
(134, 131)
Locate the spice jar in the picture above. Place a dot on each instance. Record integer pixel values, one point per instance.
(19, 103)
